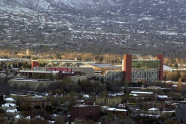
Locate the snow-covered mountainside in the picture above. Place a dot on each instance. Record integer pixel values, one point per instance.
(87, 4)
(110, 25)
(75, 4)
(134, 6)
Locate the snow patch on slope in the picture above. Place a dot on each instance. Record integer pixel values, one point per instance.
(86, 4)
(35, 4)
(76, 4)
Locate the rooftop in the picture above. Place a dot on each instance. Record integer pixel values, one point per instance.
(153, 109)
(8, 105)
(80, 105)
(162, 96)
(140, 92)
(115, 109)
(9, 99)
(30, 80)
(59, 60)
(38, 71)
(11, 111)
(144, 60)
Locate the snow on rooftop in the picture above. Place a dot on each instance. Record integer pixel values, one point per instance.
(149, 115)
(134, 94)
(153, 109)
(162, 96)
(174, 104)
(11, 111)
(17, 117)
(55, 115)
(37, 96)
(115, 94)
(85, 95)
(80, 100)
(114, 109)
(174, 85)
(80, 105)
(140, 92)
(111, 109)
(9, 99)
(17, 95)
(28, 118)
(104, 107)
(8, 105)
(51, 122)
(169, 111)
(123, 110)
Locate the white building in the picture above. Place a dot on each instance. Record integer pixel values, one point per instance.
(8, 106)
(10, 100)
(11, 112)
(32, 83)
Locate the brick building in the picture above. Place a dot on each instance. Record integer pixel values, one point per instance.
(156, 104)
(86, 111)
(33, 104)
(142, 94)
(108, 100)
(34, 64)
(118, 111)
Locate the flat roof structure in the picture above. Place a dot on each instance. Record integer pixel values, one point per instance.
(37, 71)
(8, 105)
(5, 60)
(140, 92)
(59, 60)
(115, 109)
(87, 70)
(153, 109)
(29, 80)
(63, 61)
(11, 111)
(80, 105)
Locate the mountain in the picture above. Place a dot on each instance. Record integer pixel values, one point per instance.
(100, 26)
(73, 4)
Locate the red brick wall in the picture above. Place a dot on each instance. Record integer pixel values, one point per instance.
(32, 104)
(160, 57)
(121, 112)
(128, 66)
(86, 112)
(34, 64)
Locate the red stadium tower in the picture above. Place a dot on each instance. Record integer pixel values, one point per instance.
(128, 66)
(160, 57)
(143, 69)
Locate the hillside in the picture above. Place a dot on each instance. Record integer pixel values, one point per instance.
(99, 26)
